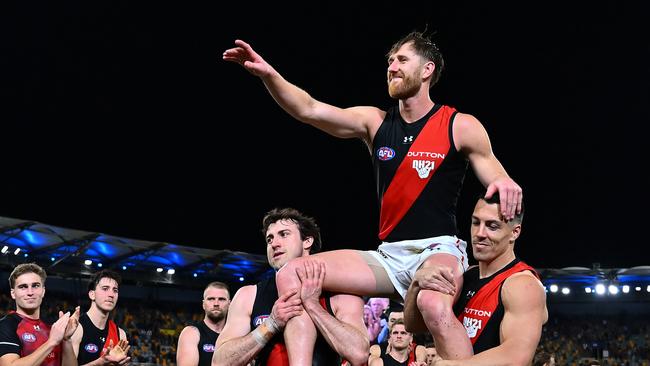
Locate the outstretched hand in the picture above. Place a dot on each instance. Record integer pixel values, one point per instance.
(58, 329)
(117, 354)
(244, 55)
(73, 323)
(510, 194)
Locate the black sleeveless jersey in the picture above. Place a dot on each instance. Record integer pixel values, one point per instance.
(93, 340)
(434, 211)
(207, 340)
(480, 308)
(274, 353)
(390, 361)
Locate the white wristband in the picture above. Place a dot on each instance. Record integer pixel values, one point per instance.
(272, 325)
(259, 337)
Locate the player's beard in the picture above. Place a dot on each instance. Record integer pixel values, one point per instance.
(405, 89)
(216, 317)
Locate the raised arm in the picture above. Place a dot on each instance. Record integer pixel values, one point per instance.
(237, 345)
(471, 139)
(345, 332)
(524, 302)
(361, 122)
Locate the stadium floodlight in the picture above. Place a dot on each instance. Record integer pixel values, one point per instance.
(588, 290)
(241, 279)
(626, 289)
(159, 269)
(88, 262)
(99, 264)
(613, 289)
(648, 288)
(16, 251)
(171, 271)
(600, 289)
(553, 288)
(566, 290)
(195, 274)
(4, 249)
(123, 268)
(637, 289)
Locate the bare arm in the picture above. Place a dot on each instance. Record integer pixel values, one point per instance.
(421, 355)
(524, 301)
(471, 138)
(361, 122)
(345, 333)
(187, 353)
(237, 345)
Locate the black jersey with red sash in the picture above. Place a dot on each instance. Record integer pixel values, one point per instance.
(419, 175)
(95, 341)
(480, 308)
(275, 352)
(22, 336)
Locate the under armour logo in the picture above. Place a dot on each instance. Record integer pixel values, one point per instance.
(37, 327)
(408, 139)
(102, 339)
(470, 294)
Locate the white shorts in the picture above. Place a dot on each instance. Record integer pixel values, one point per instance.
(402, 258)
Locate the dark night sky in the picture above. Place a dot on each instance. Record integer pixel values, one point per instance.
(120, 117)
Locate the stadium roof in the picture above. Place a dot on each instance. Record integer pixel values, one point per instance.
(76, 252)
(72, 252)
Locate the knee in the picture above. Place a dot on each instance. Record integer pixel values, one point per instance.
(286, 278)
(436, 305)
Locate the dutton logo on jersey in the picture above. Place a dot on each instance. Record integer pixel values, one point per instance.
(91, 348)
(259, 319)
(208, 347)
(385, 153)
(29, 337)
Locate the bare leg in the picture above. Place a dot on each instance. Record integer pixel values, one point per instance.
(436, 308)
(346, 271)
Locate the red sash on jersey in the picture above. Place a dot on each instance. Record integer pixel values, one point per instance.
(407, 185)
(278, 355)
(113, 335)
(481, 306)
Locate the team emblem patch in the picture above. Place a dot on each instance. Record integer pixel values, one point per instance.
(91, 348)
(208, 347)
(259, 319)
(29, 337)
(385, 153)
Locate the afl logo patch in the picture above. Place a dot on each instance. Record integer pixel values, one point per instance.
(29, 337)
(208, 347)
(260, 319)
(91, 348)
(385, 153)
